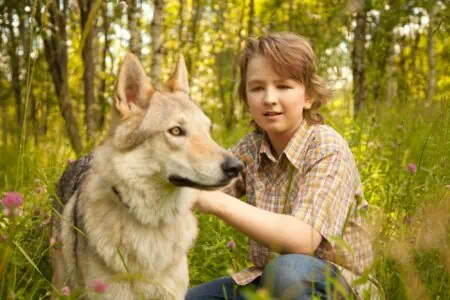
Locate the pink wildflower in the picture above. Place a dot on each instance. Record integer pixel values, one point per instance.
(70, 161)
(66, 290)
(231, 244)
(12, 200)
(99, 285)
(412, 168)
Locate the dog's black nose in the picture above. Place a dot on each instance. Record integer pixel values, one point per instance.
(231, 167)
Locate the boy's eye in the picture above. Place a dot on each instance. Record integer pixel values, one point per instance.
(256, 89)
(284, 86)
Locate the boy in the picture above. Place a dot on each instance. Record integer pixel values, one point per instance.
(304, 192)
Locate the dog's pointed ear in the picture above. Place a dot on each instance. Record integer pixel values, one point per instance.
(179, 80)
(133, 88)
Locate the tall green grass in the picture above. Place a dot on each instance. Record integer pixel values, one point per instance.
(410, 209)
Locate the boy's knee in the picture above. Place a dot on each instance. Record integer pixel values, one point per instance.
(296, 275)
(292, 266)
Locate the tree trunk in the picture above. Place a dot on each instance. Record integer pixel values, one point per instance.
(45, 108)
(157, 41)
(102, 86)
(133, 26)
(33, 119)
(414, 49)
(219, 52)
(197, 12)
(181, 24)
(402, 91)
(88, 29)
(55, 47)
(251, 16)
(230, 118)
(290, 14)
(390, 91)
(358, 59)
(431, 59)
(4, 124)
(15, 69)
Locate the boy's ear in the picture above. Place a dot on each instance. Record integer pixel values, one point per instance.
(133, 88)
(179, 79)
(308, 101)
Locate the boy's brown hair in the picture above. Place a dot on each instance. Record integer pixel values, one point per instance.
(291, 57)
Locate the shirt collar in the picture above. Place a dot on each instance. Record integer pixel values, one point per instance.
(297, 145)
(294, 149)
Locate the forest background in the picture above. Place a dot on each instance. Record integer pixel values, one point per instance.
(387, 61)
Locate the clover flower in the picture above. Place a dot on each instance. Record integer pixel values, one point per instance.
(66, 290)
(11, 203)
(99, 285)
(231, 244)
(12, 200)
(412, 168)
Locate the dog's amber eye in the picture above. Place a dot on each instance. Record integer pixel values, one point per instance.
(176, 131)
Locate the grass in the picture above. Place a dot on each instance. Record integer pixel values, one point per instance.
(410, 214)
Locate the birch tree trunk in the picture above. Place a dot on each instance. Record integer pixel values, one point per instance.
(431, 59)
(88, 29)
(133, 14)
(157, 42)
(390, 90)
(414, 49)
(55, 47)
(15, 69)
(358, 58)
(3, 104)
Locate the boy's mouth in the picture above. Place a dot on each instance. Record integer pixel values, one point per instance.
(271, 113)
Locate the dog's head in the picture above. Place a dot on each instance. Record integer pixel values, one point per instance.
(163, 134)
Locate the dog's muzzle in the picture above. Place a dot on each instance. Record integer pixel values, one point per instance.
(230, 168)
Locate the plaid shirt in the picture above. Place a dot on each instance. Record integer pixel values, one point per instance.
(316, 181)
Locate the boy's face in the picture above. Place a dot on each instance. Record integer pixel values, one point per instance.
(276, 103)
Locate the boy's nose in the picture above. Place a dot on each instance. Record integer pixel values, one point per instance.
(270, 97)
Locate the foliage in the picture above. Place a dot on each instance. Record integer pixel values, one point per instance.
(383, 143)
(401, 141)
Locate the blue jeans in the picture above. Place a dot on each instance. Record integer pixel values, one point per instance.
(290, 276)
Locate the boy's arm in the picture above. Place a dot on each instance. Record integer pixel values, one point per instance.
(282, 233)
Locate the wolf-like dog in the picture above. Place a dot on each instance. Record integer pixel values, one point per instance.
(126, 219)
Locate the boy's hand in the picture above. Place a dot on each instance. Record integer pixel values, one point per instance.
(204, 201)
